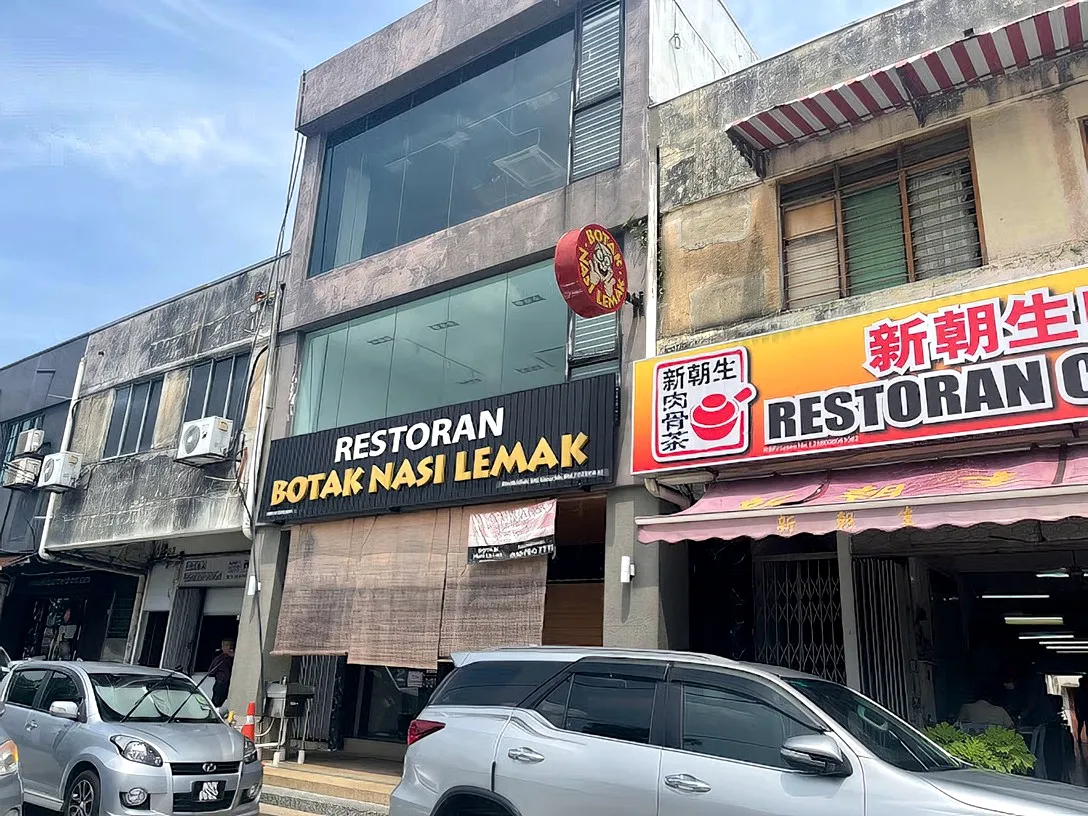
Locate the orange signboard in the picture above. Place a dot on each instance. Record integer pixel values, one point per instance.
(1009, 356)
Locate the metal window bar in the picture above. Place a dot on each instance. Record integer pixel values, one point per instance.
(124, 420)
(143, 418)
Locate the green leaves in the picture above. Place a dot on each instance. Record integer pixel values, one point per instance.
(996, 749)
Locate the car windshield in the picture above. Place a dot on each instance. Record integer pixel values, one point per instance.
(118, 693)
(887, 736)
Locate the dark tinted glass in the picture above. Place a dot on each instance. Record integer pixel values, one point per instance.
(728, 724)
(198, 390)
(238, 387)
(611, 707)
(131, 438)
(61, 689)
(117, 419)
(217, 396)
(494, 683)
(553, 708)
(147, 436)
(24, 686)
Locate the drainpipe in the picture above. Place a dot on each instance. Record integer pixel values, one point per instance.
(51, 508)
(664, 493)
(257, 452)
(653, 214)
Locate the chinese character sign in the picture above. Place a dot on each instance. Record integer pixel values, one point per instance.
(998, 359)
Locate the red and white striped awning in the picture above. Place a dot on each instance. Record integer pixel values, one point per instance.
(1043, 36)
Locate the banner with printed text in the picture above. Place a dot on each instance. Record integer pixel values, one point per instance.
(997, 359)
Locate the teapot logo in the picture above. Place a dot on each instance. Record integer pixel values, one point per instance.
(718, 414)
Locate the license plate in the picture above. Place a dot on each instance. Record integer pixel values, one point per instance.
(208, 791)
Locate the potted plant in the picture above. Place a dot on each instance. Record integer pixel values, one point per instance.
(995, 749)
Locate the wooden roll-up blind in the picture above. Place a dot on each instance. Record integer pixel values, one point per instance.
(318, 590)
(574, 614)
(490, 604)
(401, 571)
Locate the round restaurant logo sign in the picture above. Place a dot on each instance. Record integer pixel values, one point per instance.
(591, 271)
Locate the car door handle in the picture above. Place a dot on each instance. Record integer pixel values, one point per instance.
(524, 755)
(31, 725)
(687, 783)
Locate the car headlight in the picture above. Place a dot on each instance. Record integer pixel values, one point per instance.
(136, 750)
(250, 753)
(9, 758)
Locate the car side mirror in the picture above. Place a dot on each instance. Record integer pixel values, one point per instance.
(816, 754)
(65, 710)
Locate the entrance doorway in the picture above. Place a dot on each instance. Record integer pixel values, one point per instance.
(214, 629)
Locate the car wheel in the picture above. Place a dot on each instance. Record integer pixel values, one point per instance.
(83, 795)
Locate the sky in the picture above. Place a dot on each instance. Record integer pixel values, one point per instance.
(145, 145)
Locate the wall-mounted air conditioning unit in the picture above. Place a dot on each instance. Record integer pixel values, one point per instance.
(204, 441)
(60, 472)
(22, 473)
(29, 442)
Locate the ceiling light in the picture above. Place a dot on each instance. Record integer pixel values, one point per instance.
(1051, 642)
(1015, 597)
(1074, 650)
(1034, 620)
(1071, 644)
(445, 324)
(1052, 574)
(470, 382)
(529, 369)
(525, 301)
(377, 341)
(1047, 636)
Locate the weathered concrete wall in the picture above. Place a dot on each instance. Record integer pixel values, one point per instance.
(38, 384)
(720, 239)
(148, 496)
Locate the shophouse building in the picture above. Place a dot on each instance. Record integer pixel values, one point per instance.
(46, 606)
(435, 392)
(873, 353)
(167, 403)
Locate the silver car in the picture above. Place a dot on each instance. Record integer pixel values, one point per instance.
(107, 738)
(11, 787)
(539, 732)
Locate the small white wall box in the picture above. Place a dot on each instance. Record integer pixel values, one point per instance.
(60, 472)
(204, 441)
(627, 569)
(22, 473)
(29, 442)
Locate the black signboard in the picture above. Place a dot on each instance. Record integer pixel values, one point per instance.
(536, 442)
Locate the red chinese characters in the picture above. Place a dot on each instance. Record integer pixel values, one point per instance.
(897, 346)
(1039, 319)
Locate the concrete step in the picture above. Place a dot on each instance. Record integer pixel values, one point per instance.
(276, 801)
(368, 788)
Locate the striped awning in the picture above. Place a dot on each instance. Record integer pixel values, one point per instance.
(1042, 36)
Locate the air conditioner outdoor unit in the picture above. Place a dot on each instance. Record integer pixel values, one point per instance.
(29, 442)
(60, 472)
(204, 441)
(22, 473)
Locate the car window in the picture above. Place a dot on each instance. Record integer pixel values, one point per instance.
(24, 686)
(730, 724)
(602, 706)
(151, 698)
(60, 689)
(494, 682)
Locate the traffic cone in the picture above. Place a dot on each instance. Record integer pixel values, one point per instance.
(248, 730)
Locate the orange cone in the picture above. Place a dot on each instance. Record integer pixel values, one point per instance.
(248, 730)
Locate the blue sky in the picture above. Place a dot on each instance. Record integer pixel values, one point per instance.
(145, 145)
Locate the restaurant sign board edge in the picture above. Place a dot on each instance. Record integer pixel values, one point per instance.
(513, 446)
(997, 358)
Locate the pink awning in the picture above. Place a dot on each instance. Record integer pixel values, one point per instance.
(1047, 485)
(1046, 35)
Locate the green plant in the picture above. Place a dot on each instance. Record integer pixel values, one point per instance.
(996, 748)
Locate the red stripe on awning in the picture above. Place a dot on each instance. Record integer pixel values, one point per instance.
(920, 82)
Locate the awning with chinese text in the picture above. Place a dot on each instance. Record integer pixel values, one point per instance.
(1044, 485)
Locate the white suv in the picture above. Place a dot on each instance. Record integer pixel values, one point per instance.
(566, 732)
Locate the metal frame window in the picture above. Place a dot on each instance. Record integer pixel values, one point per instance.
(218, 388)
(597, 113)
(13, 428)
(132, 418)
(888, 218)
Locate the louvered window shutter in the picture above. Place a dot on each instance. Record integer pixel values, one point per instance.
(598, 98)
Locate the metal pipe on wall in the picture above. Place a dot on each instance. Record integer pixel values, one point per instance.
(653, 215)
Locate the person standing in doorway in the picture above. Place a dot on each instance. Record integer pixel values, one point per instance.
(220, 671)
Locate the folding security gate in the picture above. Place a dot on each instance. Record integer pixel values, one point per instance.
(325, 673)
(182, 628)
(882, 599)
(798, 614)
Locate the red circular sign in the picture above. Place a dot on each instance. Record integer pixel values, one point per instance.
(591, 271)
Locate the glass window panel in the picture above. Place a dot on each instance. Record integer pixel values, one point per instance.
(217, 394)
(364, 392)
(117, 420)
(419, 356)
(239, 388)
(309, 388)
(131, 437)
(535, 353)
(198, 390)
(474, 347)
(612, 707)
(455, 151)
(328, 411)
(147, 437)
